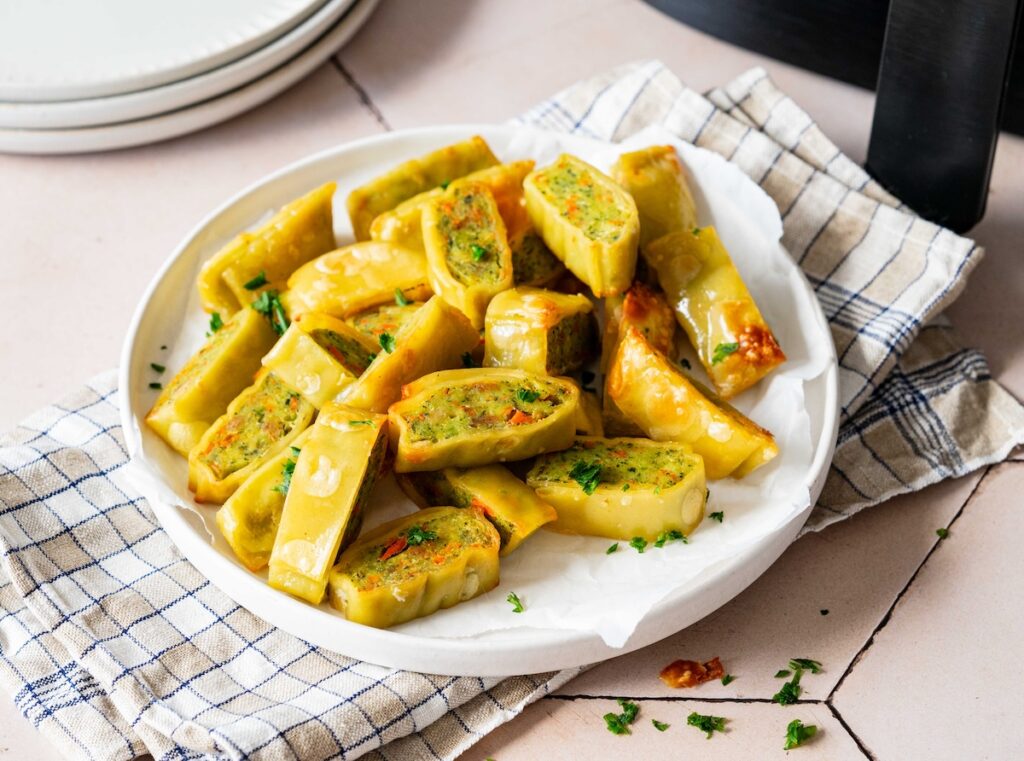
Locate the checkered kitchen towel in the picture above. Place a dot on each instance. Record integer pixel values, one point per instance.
(113, 645)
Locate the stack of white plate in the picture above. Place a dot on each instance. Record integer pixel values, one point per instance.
(92, 75)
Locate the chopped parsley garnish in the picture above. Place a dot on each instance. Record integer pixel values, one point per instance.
(790, 691)
(670, 536)
(707, 724)
(257, 282)
(387, 342)
(216, 323)
(805, 664)
(612, 548)
(156, 386)
(618, 723)
(782, 673)
(526, 396)
(400, 298)
(587, 377)
(728, 678)
(942, 533)
(659, 725)
(717, 516)
(797, 732)
(287, 471)
(587, 475)
(479, 252)
(445, 184)
(685, 363)
(517, 604)
(625, 487)
(696, 231)
(269, 305)
(416, 535)
(295, 451)
(722, 351)
(360, 422)
(638, 543)
(467, 360)
(156, 367)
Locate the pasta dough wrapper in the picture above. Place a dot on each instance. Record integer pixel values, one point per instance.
(414, 177)
(415, 566)
(330, 488)
(587, 220)
(200, 392)
(299, 232)
(355, 278)
(468, 258)
(670, 406)
(466, 418)
(250, 517)
(712, 303)
(656, 179)
(387, 318)
(540, 331)
(319, 356)
(513, 507)
(261, 421)
(435, 338)
(640, 487)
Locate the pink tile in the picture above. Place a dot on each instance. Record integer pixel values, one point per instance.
(854, 569)
(554, 730)
(83, 235)
(942, 678)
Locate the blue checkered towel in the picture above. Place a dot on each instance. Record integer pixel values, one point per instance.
(113, 645)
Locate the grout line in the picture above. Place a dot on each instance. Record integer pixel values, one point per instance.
(364, 97)
(853, 735)
(888, 614)
(678, 699)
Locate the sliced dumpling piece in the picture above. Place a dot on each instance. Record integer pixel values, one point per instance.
(621, 488)
(712, 303)
(466, 418)
(261, 421)
(355, 278)
(298, 233)
(387, 318)
(670, 406)
(416, 565)
(468, 257)
(434, 339)
(250, 517)
(512, 506)
(656, 179)
(587, 220)
(414, 177)
(319, 356)
(532, 261)
(202, 390)
(540, 331)
(404, 223)
(334, 474)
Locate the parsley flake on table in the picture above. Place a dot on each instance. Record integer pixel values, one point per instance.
(805, 664)
(718, 515)
(269, 305)
(467, 360)
(728, 678)
(517, 604)
(479, 252)
(782, 673)
(527, 396)
(618, 723)
(157, 368)
(674, 535)
(660, 725)
(722, 351)
(400, 298)
(156, 386)
(797, 733)
(587, 475)
(790, 691)
(707, 724)
(416, 535)
(638, 543)
(387, 342)
(942, 533)
(216, 323)
(613, 548)
(257, 282)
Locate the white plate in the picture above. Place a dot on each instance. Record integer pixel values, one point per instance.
(63, 114)
(185, 120)
(65, 49)
(168, 315)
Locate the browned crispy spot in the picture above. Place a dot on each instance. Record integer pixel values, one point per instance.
(691, 673)
(758, 347)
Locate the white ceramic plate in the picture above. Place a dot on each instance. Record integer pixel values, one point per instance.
(196, 117)
(112, 109)
(168, 315)
(65, 49)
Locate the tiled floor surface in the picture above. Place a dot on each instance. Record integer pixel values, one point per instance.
(920, 645)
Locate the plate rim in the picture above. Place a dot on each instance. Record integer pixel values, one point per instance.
(749, 563)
